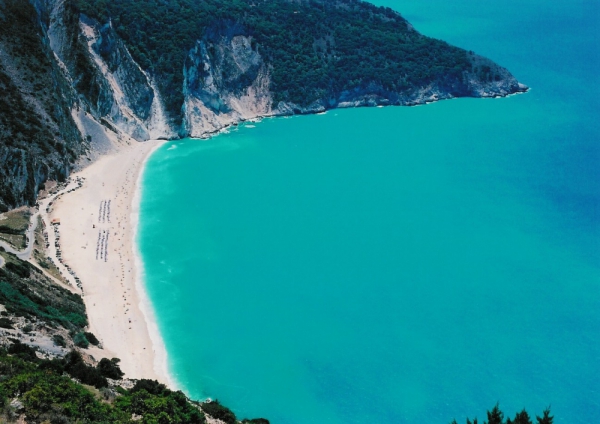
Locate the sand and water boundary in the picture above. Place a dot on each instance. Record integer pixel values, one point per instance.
(98, 225)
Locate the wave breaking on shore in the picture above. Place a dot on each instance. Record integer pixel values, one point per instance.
(161, 365)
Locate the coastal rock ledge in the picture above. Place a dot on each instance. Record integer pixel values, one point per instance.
(227, 82)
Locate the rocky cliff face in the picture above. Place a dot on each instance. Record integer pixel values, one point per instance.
(73, 91)
(111, 88)
(226, 81)
(39, 138)
(127, 97)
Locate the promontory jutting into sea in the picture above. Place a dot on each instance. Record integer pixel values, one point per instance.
(305, 211)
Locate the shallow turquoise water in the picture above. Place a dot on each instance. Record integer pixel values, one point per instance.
(396, 265)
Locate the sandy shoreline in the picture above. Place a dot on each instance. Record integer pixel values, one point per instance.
(98, 225)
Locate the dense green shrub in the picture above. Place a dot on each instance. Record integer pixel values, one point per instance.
(218, 411)
(80, 340)
(109, 368)
(10, 230)
(22, 350)
(59, 340)
(74, 365)
(47, 395)
(6, 323)
(151, 386)
(91, 338)
(32, 295)
(22, 269)
(496, 416)
(156, 403)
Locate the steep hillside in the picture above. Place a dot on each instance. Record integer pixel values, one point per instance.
(38, 137)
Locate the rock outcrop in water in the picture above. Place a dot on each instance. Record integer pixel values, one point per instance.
(73, 90)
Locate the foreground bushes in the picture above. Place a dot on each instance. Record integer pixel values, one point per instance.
(26, 292)
(496, 416)
(46, 393)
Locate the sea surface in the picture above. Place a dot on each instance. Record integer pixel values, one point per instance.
(396, 265)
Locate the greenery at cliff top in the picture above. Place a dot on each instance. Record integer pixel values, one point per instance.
(316, 48)
(26, 292)
(496, 416)
(35, 135)
(49, 395)
(46, 394)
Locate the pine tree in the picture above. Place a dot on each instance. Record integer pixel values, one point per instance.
(521, 418)
(495, 416)
(546, 418)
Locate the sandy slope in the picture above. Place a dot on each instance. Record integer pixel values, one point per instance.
(96, 241)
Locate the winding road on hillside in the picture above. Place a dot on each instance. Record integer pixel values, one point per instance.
(26, 253)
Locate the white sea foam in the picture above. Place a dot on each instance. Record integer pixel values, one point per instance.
(519, 93)
(161, 365)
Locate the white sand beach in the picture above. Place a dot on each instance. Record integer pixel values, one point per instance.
(97, 227)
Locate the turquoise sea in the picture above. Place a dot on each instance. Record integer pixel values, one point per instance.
(396, 265)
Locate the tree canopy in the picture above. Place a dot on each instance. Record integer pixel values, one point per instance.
(496, 416)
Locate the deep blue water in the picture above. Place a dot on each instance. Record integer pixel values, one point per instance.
(396, 265)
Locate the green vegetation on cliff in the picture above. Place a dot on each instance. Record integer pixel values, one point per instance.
(46, 393)
(315, 48)
(38, 137)
(26, 292)
(496, 416)
(42, 391)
